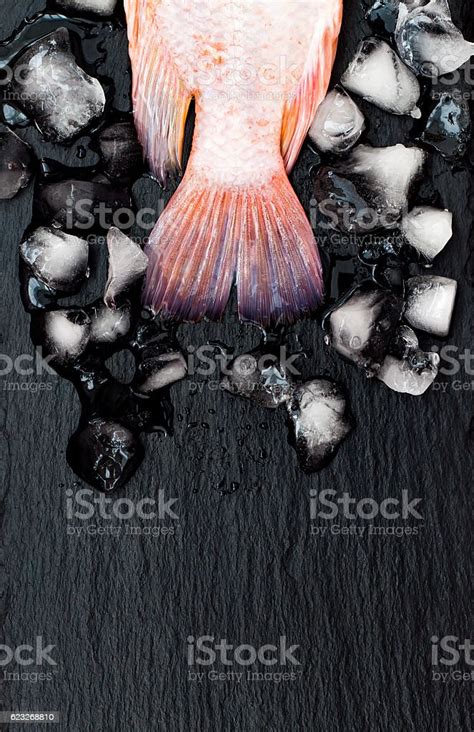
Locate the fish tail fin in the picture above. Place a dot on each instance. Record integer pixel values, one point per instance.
(207, 237)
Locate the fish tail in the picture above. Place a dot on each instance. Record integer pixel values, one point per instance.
(207, 238)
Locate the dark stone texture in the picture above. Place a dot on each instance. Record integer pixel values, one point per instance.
(242, 565)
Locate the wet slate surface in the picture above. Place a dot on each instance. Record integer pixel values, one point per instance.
(243, 565)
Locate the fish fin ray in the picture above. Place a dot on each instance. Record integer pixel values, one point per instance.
(206, 237)
(279, 275)
(300, 109)
(160, 97)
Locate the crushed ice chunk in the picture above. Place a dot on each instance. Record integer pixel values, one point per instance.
(402, 376)
(259, 375)
(58, 259)
(369, 190)
(378, 75)
(61, 98)
(80, 204)
(318, 415)
(448, 129)
(338, 123)
(120, 151)
(430, 303)
(158, 371)
(63, 333)
(107, 325)
(104, 453)
(127, 263)
(96, 7)
(428, 229)
(16, 164)
(428, 41)
(360, 329)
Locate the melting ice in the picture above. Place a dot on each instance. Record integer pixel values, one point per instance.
(62, 99)
(428, 229)
(16, 164)
(362, 326)
(428, 41)
(319, 422)
(338, 123)
(370, 189)
(64, 333)
(127, 263)
(378, 75)
(430, 303)
(58, 259)
(407, 369)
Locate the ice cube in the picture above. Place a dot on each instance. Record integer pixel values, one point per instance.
(369, 190)
(404, 342)
(156, 372)
(259, 375)
(35, 294)
(104, 453)
(400, 375)
(158, 356)
(428, 229)
(378, 75)
(393, 168)
(430, 303)
(58, 259)
(406, 368)
(448, 129)
(127, 263)
(120, 150)
(64, 334)
(107, 325)
(360, 328)
(338, 123)
(319, 421)
(96, 7)
(80, 204)
(428, 41)
(13, 116)
(62, 99)
(383, 16)
(16, 164)
(103, 396)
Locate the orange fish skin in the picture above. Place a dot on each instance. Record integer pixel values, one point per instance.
(257, 70)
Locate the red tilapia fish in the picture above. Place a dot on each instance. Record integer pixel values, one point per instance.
(257, 71)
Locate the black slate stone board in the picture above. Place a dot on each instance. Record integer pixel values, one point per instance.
(244, 565)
